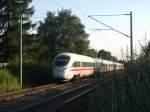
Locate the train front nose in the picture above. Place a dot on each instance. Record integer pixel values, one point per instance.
(59, 73)
(60, 66)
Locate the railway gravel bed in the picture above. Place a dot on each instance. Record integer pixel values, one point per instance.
(26, 92)
(55, 103)
(30, 99)
(81, 103)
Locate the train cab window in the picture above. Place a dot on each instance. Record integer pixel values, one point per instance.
(62, 60)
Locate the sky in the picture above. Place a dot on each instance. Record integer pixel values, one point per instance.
(108, 40)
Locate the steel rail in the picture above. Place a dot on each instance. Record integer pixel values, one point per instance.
(26, 92)
(79, 95)
(45, 101)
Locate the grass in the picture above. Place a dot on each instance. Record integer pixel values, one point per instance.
(99, 100)
(8, 82)
(103, 99)
(33, 75)
(128, 92)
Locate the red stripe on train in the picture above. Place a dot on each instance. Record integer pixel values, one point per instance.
(80, 69)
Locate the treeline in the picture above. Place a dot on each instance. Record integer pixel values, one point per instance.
(11, 12)
(60, 31)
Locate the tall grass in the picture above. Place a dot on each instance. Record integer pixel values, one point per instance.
(8, 82)
(104, 98)
(33, 75)
(128, 92)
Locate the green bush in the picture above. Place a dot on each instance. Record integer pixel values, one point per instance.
(100, 100)
(33, 74)
(37, 74)
(107, 97)
(8, 82)
(128, 92)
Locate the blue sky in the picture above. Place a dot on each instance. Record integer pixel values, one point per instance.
(108, 40)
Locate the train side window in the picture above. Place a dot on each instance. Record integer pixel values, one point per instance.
(76, 64)
(88, 64)
(97, 65)
(100, 64)
(104, 65)
(93, 64)
(84, 64)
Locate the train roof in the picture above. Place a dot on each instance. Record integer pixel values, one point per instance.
(79, 57)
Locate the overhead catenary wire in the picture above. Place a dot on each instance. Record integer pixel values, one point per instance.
(108, 26)
(56, 3)
(112, 15)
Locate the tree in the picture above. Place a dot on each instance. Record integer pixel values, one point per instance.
(91, 53)
(106, 55)
(61, 33)
(11, 12)
(146, 51)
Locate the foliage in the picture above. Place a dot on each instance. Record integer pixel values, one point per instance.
(91, 53)
(8, 82)
(36, 75)
(61, 33)
(33, 74)
(129, 91)
(106, 55)
(30, 50)
(99, 100)
(11, 11)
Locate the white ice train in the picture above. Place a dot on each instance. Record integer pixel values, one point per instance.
(67, 65)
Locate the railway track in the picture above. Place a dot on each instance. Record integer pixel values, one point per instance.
(28, 92)
(32, 91)
(16, 100)
(55, 102)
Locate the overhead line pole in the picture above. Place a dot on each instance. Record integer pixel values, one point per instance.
(19, 2)
(131, 37)
(21, 51)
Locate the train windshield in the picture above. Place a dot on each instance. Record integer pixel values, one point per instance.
(62, 60)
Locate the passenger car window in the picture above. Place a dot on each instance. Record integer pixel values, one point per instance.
(76, 64)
